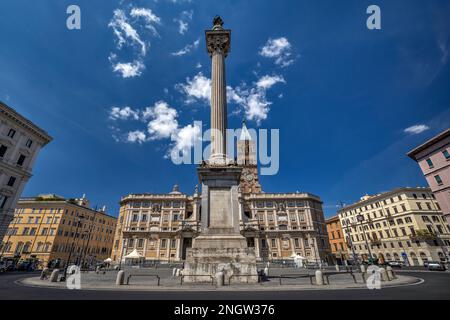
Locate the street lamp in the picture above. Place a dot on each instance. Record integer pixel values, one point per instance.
(349, 239)
(80, 218)
(360, 219)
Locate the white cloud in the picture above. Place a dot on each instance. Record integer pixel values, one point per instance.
(185, 138)
(197, 88)
(198, 65)
(123, 30)
(129, 69)
(187, 49)
(136, 137)
(150, 18)
(280, 49)
(266, 82)
(416, 129)
(252, 99)
(183, 25)
(163, 121)
(125, 113)
(161, 124)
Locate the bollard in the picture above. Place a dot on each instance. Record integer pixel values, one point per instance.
(390, 273)
(319, 278)
(337, 267)
(174, 272)
(219, 278)
(383, 274)
(177, 272)
(266, 271)
(44, 274)
(120, 278)
(363, 268)
(54, 275)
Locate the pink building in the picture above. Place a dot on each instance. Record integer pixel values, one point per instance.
(434, 159)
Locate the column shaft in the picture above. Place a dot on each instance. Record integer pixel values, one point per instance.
(218, 106)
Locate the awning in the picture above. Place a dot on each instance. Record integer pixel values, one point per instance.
(134, 255)
(108, 260)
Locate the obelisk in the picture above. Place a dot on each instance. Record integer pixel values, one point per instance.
(220, 249)
(218, 45)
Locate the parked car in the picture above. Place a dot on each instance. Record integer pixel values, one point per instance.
(3, 267)
(396, 264)
(25, 266)
(436, 266)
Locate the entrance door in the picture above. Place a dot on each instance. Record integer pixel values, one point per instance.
(187, 243)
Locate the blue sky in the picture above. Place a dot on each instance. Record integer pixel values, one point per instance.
(341, 95)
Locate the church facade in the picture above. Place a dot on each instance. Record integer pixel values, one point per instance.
(161, 227)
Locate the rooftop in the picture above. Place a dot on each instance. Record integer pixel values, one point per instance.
(412, 154)
(13, 114)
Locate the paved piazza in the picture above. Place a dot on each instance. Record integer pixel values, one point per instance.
(426, 285)
(279, 279)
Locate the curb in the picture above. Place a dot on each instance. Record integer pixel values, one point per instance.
(410, 281)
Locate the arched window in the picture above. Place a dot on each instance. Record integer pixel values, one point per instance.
(423, 256)
(396, 257)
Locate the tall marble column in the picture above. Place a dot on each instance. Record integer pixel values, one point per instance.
(218, 46)
(220, 247)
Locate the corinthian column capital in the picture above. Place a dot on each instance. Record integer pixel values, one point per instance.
(218, 41)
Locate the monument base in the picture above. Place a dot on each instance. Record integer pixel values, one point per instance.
(237, 264)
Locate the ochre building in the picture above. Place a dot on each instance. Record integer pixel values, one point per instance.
(49, 228)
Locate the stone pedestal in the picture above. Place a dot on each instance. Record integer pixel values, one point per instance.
(220, 247)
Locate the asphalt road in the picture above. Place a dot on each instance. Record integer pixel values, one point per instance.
(435, 287)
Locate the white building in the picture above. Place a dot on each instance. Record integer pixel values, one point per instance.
(20, 142)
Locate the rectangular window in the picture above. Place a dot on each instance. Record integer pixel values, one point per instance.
(273, 243)
(3, 200)
(11, 133)
(21, 160)
(11, 181)
(163, 243)
(430, 163)
(3, 150)
(446, 154)
(29, 143)
(438, 180)
(44, 232)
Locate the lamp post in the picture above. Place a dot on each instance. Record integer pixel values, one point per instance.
(360, 219)
(350, 242)
(63, 278)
